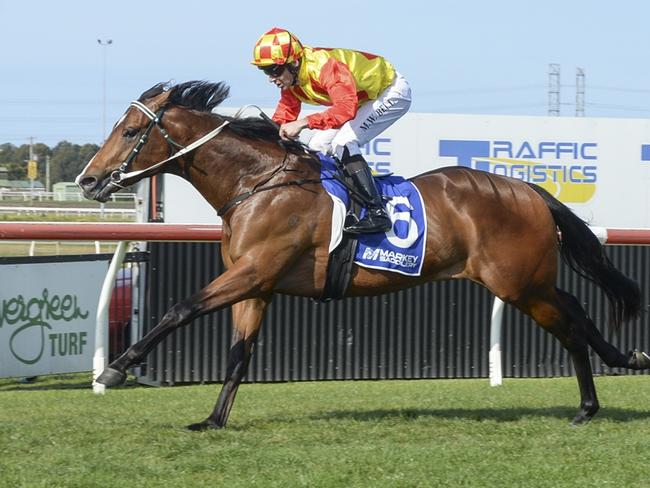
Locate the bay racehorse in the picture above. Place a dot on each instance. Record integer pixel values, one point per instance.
(500, 232)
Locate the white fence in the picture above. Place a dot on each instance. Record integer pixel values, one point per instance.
(68, 210)
(197, 232)
(48, 196)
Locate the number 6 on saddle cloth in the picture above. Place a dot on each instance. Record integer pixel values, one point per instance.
(400, 249)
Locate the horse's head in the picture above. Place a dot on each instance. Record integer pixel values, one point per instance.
(141, 139)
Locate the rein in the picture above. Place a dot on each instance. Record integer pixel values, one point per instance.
(122, 173)
(240, 198)
(230, 204)
(259, 187)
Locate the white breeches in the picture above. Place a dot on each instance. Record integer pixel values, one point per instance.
(372, 118)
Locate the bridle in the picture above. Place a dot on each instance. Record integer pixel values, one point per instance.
(123, 173)
(154, 121)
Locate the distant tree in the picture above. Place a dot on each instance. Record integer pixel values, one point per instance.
(64, 155)
(66, 160)
(16, 162)
(15, 159)
(7, 156)
(6, 153)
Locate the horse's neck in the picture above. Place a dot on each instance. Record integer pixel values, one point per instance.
(229, 166)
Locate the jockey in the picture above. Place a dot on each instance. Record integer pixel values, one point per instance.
(364, 93)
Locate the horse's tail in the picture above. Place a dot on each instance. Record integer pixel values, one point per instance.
(582, 251)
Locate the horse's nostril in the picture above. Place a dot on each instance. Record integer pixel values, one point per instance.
(88, 182)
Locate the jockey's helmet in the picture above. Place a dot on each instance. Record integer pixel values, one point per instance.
(277, 46)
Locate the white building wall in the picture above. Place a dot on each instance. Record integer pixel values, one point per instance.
(600, 167)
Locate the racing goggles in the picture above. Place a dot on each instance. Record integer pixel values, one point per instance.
(274, 70)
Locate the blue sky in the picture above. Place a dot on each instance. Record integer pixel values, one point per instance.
(459, 56)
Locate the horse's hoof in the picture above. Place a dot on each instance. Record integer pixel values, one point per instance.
(584, 417)
(580, 421)
(202, 426)
(111, 377)
(639, 360)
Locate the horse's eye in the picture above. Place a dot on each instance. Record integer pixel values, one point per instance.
(130, 132)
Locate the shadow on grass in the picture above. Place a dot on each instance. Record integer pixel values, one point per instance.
(44, 383)
(479, 415)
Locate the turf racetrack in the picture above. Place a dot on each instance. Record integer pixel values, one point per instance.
(426, 433)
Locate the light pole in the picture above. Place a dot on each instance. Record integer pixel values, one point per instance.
(104, 43)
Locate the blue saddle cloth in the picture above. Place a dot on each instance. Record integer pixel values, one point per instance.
(401, 249)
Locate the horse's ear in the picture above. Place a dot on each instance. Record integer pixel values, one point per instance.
(159, 101)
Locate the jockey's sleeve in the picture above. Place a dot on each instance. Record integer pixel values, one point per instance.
(288, 108)
(337, 79)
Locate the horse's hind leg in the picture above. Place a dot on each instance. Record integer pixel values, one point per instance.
(609, 354)
(247, 318)
(550, 313)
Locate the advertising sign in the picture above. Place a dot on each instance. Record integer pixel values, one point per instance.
(596, 166)
(599, 167)
(47, 317)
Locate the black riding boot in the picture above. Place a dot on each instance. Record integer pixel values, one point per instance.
(376, 219)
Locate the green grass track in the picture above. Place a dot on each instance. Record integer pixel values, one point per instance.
(419, 433)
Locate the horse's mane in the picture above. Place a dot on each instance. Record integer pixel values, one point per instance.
(204, 96)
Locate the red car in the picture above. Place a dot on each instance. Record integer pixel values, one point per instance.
(119, 315)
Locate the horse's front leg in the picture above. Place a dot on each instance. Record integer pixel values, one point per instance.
(247, 318)
(242, 281)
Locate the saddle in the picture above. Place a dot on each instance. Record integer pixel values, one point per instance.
(399, 250)
(341, 259)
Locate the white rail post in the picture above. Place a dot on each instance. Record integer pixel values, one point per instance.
(496, 324)
(101, 325)
(496, 374)
(600, 233)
